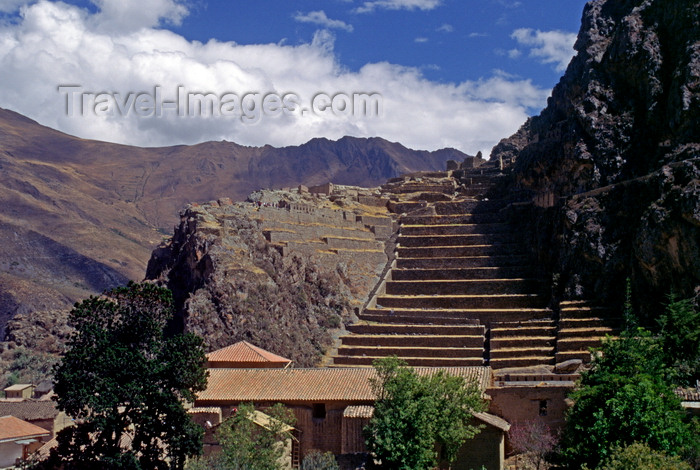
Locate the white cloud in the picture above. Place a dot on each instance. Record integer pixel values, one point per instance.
(55, 44)
(368, 7)
(551, 47)
(320, 18)
(10, 6)
(478, 35)
(131, 15)
(420, 40)
(514, 53)
(509, 3)
(446, 28)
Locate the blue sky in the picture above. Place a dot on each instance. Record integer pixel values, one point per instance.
(454, 41)
(449, 73)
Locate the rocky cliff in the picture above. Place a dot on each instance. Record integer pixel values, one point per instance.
(611, 166)
(284, 270)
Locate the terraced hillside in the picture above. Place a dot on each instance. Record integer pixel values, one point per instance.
(461, 290)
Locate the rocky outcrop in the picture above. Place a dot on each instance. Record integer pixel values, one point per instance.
(284, 270)
(612, 165)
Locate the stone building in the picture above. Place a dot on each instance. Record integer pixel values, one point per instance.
(41, 413)
(332, 406)
(243, 355)
(18, 439)
(19, 391)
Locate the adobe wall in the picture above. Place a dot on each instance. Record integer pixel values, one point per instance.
(353, 441)
(326, 189)
(373, 220)
(375, 201)
(302, 213)
(322, 434)
(9, 452)
(517, 404)
(485, 449)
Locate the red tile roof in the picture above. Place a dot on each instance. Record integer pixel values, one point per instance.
(358, 411)
(244, 352)
(688, 394)
(13, 429)
(493, 420)
(310, 385)
(29, 410)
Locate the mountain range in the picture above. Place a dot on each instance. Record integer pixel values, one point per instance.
(80, 216)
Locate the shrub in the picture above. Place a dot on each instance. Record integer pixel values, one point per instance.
(319, 461)
(640, 456)
(415, 415)
(534, 440)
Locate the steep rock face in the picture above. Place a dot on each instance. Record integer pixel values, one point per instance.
(613, 162)
(251, 271)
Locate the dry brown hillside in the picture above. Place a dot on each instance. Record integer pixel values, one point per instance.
(79, 216)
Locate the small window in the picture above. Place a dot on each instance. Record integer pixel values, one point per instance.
(543, 407)
(319, 411)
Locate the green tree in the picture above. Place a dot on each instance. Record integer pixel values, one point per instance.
(414, 415)
(639, 456)
(680, 339)
(125, 382)
(628, 315)
(625, 397)
(249, 442)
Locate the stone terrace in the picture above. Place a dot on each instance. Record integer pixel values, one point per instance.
(461, 291)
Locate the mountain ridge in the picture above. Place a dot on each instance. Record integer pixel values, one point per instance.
(80, 216)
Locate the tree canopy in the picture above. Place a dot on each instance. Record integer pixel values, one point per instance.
(247, 444)
(124, 382)
(626, 397)
(420, 419)
(680, 339)
(640, 456)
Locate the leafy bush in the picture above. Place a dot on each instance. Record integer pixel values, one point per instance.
(640, 456)
(625, 397)
(245, 445)
(414, 415)
(122, 377)
(319, 461)
(680, 339)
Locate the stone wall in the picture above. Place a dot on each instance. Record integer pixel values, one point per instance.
(519, 404)
(304, 261)
(353, 441)
(485, 449)
(355, 242)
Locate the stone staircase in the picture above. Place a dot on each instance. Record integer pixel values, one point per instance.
(582, 326)
(522, 343)
(460, 291)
